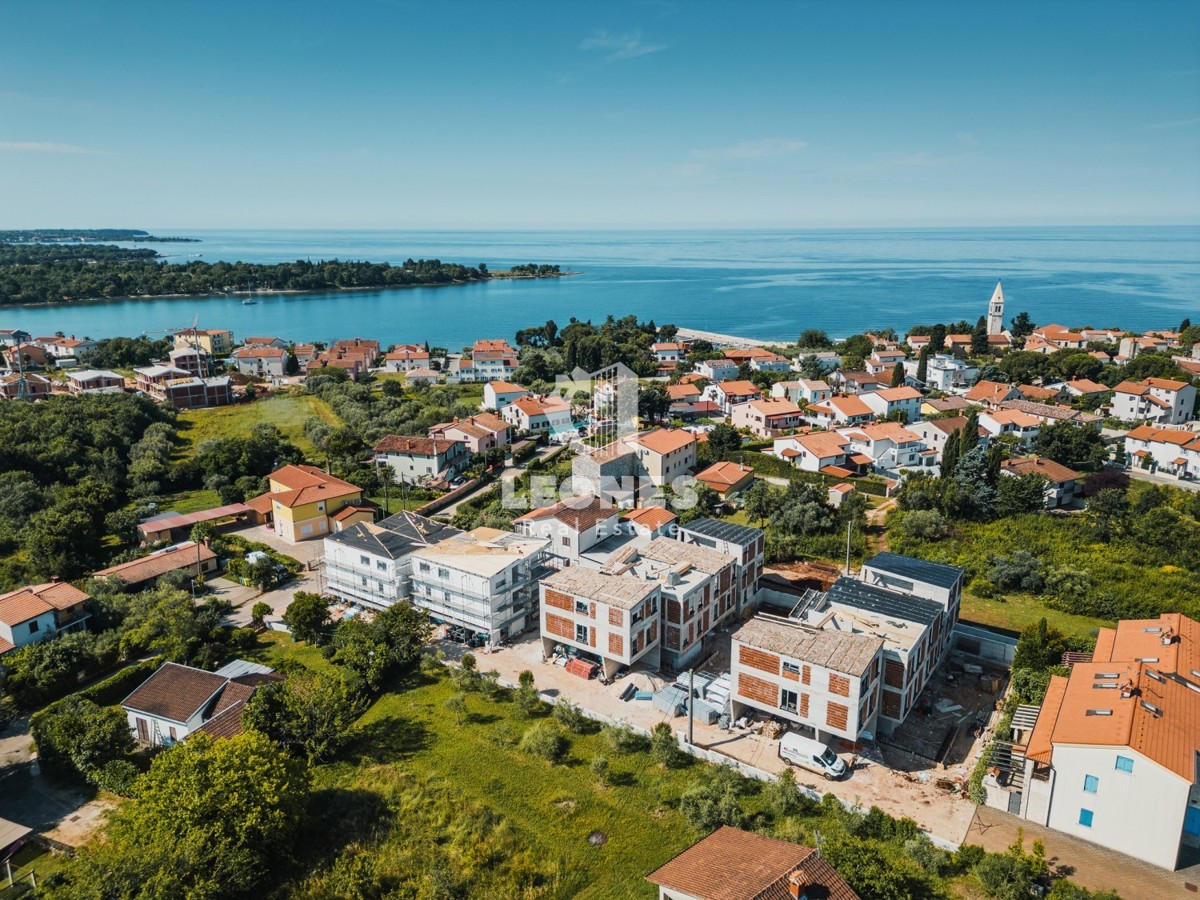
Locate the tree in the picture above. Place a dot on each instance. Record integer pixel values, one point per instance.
(724, 441)
(785, 796)
(1024, 366)
(259, 612)
(526, 697)
(545, 740)
(1020, 572)
(803, 510)
(1079, 447)
(759, 501)
(1020, 494)
(292, 366)
(664, 748)
(923, 364)
(653, 402)
(1022, 326)
(77, 739)
(310, 715)
(897, 375)
(979, 338)
(1108, 514)
(307, 617)
(212, 819)
(706, 501)
(571, 717)
(457, 704)
(357, 647)
(924, 524)
(813, 339)
(712, 802)
(937, 339)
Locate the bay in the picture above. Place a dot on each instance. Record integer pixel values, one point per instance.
(763, 284)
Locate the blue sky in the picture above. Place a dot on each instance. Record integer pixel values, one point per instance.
(395, 114)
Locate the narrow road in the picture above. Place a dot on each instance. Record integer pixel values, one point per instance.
(508, 472)
(877, 525)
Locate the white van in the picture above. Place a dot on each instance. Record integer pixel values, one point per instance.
(812, 755)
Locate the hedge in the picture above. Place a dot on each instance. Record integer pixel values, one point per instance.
(119, 685)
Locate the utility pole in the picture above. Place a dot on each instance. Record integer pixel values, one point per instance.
(849, 525)
(691, 703)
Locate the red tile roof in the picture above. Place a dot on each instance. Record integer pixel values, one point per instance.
(1037, 465)
(307, 484)
(651, 517)
(723, 475)
(175, 692)
(666, 440)
(180, 556)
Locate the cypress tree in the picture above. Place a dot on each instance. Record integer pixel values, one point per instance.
(968, 435)
(950, 456)
(923, 364)
(979, 338)
(897, 375)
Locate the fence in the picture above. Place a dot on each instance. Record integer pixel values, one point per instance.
(445, 500)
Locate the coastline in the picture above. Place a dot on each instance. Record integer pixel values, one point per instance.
(728, 340)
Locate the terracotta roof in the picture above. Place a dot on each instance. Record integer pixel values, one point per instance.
(724, 475)
(251, 341)
(1050, 411)
(175, 692)
(308, 484)
(651, 517)
(682, 391)
(58, 594)
(260, 352)
(739, 387)
(1177, 436)
(1131, 387)
(731, 864)
(21, 606)
(1166, 384)
(505, 387)
(178, 557)
(666, 440)
(823, 444)
(262, 504)
(948, 404)
(1087, 386)
(849, 406)
(776, 406)
(413, 446)
(1013, 417)
(1037, 465)
(579, 513)
(989, 392)
(896, 394)
(1033, 392)
(540, 406)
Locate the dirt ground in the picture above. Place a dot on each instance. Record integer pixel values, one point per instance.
(910, 789)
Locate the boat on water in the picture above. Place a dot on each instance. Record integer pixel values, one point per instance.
(248, 302)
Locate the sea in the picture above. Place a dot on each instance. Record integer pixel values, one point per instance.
(768, 285)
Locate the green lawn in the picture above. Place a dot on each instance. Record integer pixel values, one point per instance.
(552, 809)
(30, 858)
(190, 501)
(1016, 611)
(287, 412)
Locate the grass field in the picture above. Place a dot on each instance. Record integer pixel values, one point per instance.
(553, 809)
(190, 501)
(287, 412)
(1017, 611)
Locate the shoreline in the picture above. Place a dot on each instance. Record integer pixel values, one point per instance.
(728, 340)
(280, 291)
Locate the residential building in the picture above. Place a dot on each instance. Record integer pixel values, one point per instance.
(1085, 387)
(26, 357)
(1173, 451)
(189, 359)
(683, 393)
(40, 611)
(717, 369)
(650, 522)
(1112, 756)
(10, 337)
(1012, 423)
(181, 389)
(828, 360)
(541, 415)
(889, 446)
(420, 460)
(958, 344)
(935, 432)
(1130, 347)
(171, 526)
(1040, 394)
(95, 381)
(807, 389)
(727, 479)
(767, 418)
(611, 619)
(1158, 401)
(369, 563)
(421, 376)
(260, 361)
(65, 347)
(992, 393)
(840, 410)
(770, 362)
(499, 394)
(491, 360)
(853, 382)
(666, 454)
(479, 433)
(698, 591)
(27, 386)
(744, 543)
(1064, 487)
(265, 342)
(305, 503)
(883, 362)
(941, 406)
(1050, 413)
(728, 394)
(1061, 337)
(188, 557)
(178, 701)
(213, 341)
(669, 353)
(304, 353)
(405, 358)
(816, 452)
(943, 372)
(732, 864)
(573, 526)
(898, 401)
(823, 681)
(484, 580)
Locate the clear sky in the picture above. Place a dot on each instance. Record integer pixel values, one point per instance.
(396, 114)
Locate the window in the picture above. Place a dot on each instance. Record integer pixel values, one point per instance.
(566, 541)
(1090, 783)
(424, 567)
(1124, 764)
(381, 565)
(365, 560)
(443, 573)
(581, 607)
(791, 667)
(1085, 818)
(33, 626)
(581, 634)
(788, 701)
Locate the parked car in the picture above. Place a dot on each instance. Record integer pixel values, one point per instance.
(812, 755)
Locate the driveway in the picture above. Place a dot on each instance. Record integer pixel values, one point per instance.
(278, 599)
(305, 551)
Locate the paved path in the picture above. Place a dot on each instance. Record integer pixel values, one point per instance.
(509, 472)
(1143, 475)
(1089, 865)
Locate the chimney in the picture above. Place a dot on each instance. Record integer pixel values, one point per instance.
(798, 884)
(1168, 637)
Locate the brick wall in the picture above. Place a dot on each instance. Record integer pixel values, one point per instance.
(559, 626)
(559, 600)
(893, 673)
(757, 659)
(616, 616)
(891, 704)
(839, 684)
(836, 715)
(757, 689)
(616, 644)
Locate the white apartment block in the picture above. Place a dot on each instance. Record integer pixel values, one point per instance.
(1158, 401)
(889, 445)
(612, 618)
(1174, 451)
(483, 580)
(892, 401)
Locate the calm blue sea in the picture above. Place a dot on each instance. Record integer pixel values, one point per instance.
(767, 284)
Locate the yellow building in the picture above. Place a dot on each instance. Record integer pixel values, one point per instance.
(305, 503)
(213, 341)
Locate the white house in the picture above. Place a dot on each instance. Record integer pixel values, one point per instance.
(499, 394)
(728, 394)
(573, 526)
(537, 415)
(24, 619)
(1112, 755)
(828, 360)
(405, 358)
(889, 445)
(944, 372)
(770, 362)
(717, 369)
(262, 361)
(177, 701)
(1012, 422)
(1159, 401)
(483, 580)
(1174, 451)
(1063, 488)
(840, 410)
(420, 459)
(806, 389)
(891, 401)
(767, 418)
(882, 362)
(935, 432)
(669, 352)
(814, 452)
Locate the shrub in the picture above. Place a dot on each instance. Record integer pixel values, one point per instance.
(665, 748)
(527, 699)
(599, 767)
(545, 740)
(571, 717)
(785, 796)
(259, 612)
(925, 524)
(713, 802)
(623, 739)
(1020, 572)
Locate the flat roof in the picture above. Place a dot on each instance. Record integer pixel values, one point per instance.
(939, 574)
(841, 651)
(743, 535)
(890, 604)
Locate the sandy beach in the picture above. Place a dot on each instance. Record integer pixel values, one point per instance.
(729, 340)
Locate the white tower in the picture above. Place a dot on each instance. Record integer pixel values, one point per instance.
(996, 311)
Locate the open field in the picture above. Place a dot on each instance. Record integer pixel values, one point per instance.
(1017, 611)
(287, 412)
(190, 501)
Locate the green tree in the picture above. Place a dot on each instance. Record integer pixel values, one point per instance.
(545, 740)
(212, 819)
(76, 738)
(457, 704)
(1021, 494)
(897, 375)
(814, 339)
(259, 612)
(979, 338)
(526, 697)
(923, 364)
(1079, 447)
(664, 748)
(724, 441)
(1022, 326)
(759, 501)
(714, 801)
(307, 616)
(311, 714)
(1108, 514)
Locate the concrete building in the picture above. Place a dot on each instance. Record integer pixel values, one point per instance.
(1064, 487)
(890, 402)
(744, 543)
(728, 394)
(610, 619)
(405, 358)
(817, 451)
(889, 446)
(666, 454)
(541, 415)
(418, 460)
(995, 319)
(484, 580)
(260, 361)
(935, 432)
(1156, 401)
(305, 503)
(1113, 755)
(824, 682)
(369, 563)
(40, 611)
(727, 479)
(717, 369)
(94, 381)
(479, 433)
(840, 410)
(213, 341)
